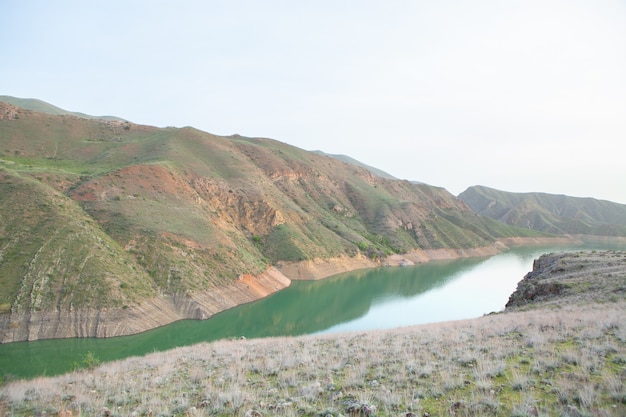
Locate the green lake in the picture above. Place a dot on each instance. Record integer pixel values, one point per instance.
(356, 301)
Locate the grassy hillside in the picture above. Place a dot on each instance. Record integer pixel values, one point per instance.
(53, 256)
(184, 212)
(43, 107)
(564, 358)
(547, 212)
(349, 160)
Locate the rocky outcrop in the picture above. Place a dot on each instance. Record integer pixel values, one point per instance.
(569, 278)
(9, 111)
(250, 212)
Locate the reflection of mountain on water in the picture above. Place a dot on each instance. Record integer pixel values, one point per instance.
(305, 307)
(311, 306)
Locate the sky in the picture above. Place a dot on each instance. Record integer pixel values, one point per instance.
(522, 96)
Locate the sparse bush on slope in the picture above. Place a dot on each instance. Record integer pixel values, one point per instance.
(525, 363)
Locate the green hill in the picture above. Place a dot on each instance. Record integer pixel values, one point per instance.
(117, 227)
(549, 213)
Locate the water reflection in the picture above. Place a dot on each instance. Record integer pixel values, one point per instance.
(360, 300)
(308, 307)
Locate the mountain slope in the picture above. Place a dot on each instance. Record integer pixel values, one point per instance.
(43, 107)
(349, 160)
(173, 223)
(547, 212)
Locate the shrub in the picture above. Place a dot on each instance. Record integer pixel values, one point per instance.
(88, 361)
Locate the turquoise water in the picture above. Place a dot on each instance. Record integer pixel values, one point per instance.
(360, 300)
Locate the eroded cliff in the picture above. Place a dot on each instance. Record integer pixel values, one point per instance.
(572, 278)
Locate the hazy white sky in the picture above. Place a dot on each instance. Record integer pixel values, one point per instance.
(525, 95)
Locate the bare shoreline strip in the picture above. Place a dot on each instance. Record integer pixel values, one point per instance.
(162, 311)
(315, 269)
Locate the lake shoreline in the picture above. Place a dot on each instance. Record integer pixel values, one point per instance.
(315, 269)
(364, 300)
(162, 311)
(496, 364)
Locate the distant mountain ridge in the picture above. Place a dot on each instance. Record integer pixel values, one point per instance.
(111, 228)
(349, 160)
(47, 108)
(548, 213)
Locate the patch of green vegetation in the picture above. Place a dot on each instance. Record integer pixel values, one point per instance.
(88, 361)
(34, 165)
(56, 251)
(279, 244)
(370, 202)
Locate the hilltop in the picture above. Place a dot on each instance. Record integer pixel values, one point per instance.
(551, 353)
(558, 214)
(47, 108)
(350, 160)
(109, 227)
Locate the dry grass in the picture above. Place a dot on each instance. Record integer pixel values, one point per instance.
(565, 362)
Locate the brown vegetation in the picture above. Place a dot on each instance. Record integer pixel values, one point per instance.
(567, 362)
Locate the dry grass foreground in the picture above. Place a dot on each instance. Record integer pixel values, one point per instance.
(560, 360)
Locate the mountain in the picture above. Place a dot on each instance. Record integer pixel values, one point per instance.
(43, 107)
(349, 160)
(558, 214)
(109, 227)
